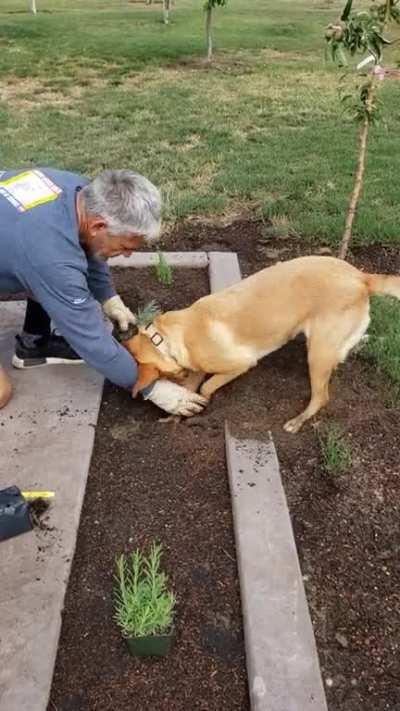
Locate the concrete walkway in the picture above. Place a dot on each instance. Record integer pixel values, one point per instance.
(46, 441)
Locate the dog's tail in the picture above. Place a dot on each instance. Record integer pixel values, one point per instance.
(383, 284)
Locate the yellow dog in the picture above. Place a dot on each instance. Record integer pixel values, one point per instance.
(225, 334)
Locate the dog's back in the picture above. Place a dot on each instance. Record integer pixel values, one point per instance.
(281, 298)
(225, 334)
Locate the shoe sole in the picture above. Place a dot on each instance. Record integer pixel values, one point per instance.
(22, 363)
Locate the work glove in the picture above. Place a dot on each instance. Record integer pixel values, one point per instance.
(116, 310)
(175, 399)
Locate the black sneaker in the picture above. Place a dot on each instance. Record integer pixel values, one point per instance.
(45, 351)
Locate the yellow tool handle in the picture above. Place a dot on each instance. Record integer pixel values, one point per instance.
(38, 494)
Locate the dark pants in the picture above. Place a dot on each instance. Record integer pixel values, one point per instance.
(37, 321)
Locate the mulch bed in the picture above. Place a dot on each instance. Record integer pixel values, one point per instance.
(151, 479)
(154, 480)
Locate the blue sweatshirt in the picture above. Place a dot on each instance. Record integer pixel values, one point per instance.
(40, 253)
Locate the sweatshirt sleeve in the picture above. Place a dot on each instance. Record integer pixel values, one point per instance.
(63, 292)
(100, 280)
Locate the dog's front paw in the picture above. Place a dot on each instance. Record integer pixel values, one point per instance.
(294, 425)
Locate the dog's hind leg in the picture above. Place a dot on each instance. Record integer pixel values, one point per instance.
(328, 345)
(321, 362)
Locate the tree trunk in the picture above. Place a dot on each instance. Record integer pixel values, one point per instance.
(166, 6)
(208, 33)
(32, 6)
(358, 184)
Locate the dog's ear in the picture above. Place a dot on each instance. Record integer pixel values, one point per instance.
(147, 374)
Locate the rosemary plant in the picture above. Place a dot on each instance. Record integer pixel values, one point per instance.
(143, 604)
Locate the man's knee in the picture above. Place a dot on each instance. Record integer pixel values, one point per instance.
(5, 388)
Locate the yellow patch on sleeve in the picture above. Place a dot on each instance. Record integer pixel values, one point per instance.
(29, 189)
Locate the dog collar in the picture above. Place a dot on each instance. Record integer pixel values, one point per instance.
(159, 342)
(154, 336)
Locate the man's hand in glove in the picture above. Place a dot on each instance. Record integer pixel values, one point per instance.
(116, 310)
(175, 399)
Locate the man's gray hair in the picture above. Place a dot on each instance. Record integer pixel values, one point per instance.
(127, 201)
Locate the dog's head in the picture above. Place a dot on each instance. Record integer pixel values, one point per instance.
(152, 362)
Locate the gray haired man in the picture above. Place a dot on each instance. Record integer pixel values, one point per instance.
(57, 229)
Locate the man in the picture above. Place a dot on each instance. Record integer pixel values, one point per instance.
(57, 230)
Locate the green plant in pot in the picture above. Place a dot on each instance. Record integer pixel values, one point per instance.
(144, 606)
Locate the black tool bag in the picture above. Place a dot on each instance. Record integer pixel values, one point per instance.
(14, 513)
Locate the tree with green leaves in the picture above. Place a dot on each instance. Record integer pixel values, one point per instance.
(209, 6)
(360, 33)
(166, 9)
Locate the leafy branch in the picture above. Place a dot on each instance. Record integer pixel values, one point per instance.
(360, 32)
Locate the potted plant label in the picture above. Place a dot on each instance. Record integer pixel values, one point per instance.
(144, 607)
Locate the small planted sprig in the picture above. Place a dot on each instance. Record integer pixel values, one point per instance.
(163, 270)
(147, 313)
(335, 450)
(143, 604)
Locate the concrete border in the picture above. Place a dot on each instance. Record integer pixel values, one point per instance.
(193, 260)
(224, 270)
(281, 655)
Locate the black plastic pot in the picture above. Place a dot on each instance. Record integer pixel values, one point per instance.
(151, 646)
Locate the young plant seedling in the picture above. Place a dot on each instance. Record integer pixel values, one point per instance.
(147, 313)
(335, 450)
(163, 270)
(144, 607)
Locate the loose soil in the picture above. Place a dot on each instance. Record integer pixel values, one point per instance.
(37, 510)
(152, 479)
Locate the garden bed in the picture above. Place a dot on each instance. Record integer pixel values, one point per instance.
(148, 480)
(151, 479)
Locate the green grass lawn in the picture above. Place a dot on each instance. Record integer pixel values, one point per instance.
(94, 84)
